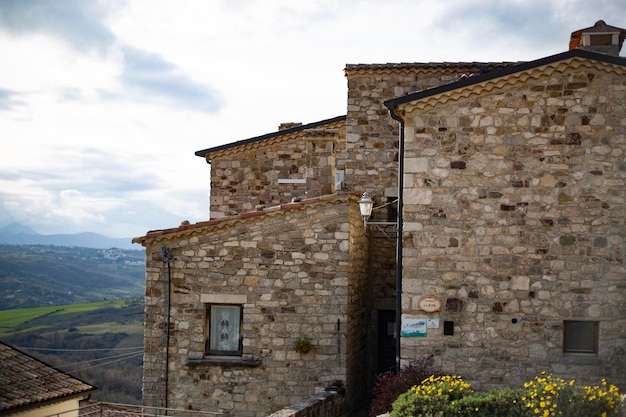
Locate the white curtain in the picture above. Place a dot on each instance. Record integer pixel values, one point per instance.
(224, 328)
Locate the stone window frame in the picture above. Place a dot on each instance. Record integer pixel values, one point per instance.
(216, 299)
(586, 329)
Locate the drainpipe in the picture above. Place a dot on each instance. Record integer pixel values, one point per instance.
(395, 116)
(167, 259)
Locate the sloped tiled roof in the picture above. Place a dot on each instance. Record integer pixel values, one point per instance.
(204, 152)
(406, 66)
(28, 382)
(504, 72)
(227, 221)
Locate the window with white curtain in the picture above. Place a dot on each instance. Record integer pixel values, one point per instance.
(224, 329)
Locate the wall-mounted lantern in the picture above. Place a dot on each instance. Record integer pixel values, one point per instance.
(366, 204)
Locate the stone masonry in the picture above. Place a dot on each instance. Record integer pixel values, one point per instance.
(371, 151)
(515, 217)
(371, 161)
(304, 278)
(298, 162)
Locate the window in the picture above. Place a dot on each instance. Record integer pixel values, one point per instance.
(580, 336)
(223, 323)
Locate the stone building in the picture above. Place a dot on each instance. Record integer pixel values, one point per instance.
(504, 234)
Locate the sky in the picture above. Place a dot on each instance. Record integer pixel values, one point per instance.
(104, 102)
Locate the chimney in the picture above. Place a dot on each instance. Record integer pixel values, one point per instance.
(288, 125)
(600, 38)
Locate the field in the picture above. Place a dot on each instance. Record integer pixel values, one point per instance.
(23, 320)
(100, 342)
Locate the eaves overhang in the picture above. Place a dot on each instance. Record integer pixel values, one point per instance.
(393, 104)
(203, 153)
(213, 225)
(412, 67)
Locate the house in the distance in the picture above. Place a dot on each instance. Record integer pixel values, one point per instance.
(31, 388)
(500, 223)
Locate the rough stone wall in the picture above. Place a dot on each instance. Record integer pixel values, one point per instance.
(297, 273)
(245, 177)
(515, 211)
(358, 312)
(324, 404)
(370, 156)
(371, 152)
(321, 163)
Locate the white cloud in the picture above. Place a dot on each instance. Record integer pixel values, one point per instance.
(105, 102)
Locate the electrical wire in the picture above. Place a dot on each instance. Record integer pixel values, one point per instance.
(105, 358)
(107, 363)
(80, 350)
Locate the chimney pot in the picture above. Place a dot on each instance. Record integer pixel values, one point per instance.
(288, 125)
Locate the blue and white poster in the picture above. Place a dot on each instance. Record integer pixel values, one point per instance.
(412, 327)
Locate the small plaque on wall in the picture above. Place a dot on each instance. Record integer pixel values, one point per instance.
(429, 304)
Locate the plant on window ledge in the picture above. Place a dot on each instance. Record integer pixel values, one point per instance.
(303, 345)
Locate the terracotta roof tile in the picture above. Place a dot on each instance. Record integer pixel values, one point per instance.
(285, 132)
(26, 381)
(296, 205)
(503, 72)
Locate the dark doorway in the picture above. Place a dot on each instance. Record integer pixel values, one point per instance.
(386, 358)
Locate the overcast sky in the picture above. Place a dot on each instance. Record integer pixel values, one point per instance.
(103, 103)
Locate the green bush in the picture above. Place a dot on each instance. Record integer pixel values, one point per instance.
(544, 396)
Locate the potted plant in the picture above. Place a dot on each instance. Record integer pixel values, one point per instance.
(303, 345)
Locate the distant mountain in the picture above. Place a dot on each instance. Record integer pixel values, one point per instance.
(18, 234)
(16, 228)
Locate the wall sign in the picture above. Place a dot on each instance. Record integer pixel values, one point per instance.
(429, 303)
(413, 327)
(432, 323)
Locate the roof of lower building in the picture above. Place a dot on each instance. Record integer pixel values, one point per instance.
(187, 228)
(28, 382)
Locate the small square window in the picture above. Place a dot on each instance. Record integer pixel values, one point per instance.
(223, 323)
(580, 336)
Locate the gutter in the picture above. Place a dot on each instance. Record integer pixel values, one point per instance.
(399, 119)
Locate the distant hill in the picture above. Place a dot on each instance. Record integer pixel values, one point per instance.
(18, 234)
(41, 275)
